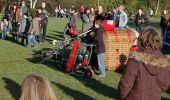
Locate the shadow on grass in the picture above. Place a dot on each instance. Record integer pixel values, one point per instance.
(57, 32)
(99, 87)
(12, 87)
(88, 82)
(77, 95)
(37, 59)
(56, 37)
(11, 39)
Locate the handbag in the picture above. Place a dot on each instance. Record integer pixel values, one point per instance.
(72, 31)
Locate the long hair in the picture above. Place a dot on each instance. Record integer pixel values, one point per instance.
(149, 37)
(166, 16)
(36, 87)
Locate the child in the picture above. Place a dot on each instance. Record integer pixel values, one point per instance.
(35, 31)
(24, 28)
(5, 28)
(31, 40)
(100, 47)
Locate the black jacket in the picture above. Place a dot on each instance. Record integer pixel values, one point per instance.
(100, 46)
(163, 22)
(139, 18)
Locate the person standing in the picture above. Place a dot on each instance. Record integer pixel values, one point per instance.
(42, 23)
(15, 19)
(141, 20)
(45, 19)
(164, 23)
(146, 75)
(121, 17)
(24, 9)
(86, 20)
(56, 12)
(92, 15)
(100, 47)
(100, 14)
(5, 27)
(24, 28)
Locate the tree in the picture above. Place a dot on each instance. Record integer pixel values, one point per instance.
(157, 7)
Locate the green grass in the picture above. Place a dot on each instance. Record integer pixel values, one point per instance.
(15, 65)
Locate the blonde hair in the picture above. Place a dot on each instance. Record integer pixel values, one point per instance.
(36, 87)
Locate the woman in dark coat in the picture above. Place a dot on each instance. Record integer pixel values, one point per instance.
(15, 19)
(141, 20)
(146, 75)
(164, 23)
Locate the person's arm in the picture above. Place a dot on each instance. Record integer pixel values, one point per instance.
(128, 78)
(146, 19)
(85, 18)
(125, 19)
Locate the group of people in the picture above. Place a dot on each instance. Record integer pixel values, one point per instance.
(17, 21)
(146, 75)
(61, 13)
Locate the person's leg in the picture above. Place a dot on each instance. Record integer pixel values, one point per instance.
(29, 41)
(22, 38)
(163, 32)
(34, 40)
(2, 35)
(100, 58)
(137, 29)
(44, 32)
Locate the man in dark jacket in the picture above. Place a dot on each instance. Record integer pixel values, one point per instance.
(100, 47)
(141, 20)
(146, 75)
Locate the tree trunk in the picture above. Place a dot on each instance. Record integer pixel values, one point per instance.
(35, 1)
(157, 7)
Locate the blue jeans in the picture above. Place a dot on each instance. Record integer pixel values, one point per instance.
(164, 33)
(31, 40)
(100, 58)
(4, 35)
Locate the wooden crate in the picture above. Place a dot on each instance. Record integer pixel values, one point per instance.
(117, 44)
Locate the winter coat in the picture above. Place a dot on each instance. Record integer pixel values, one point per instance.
(163, 22)
(24, 9)
(86, 22)
(100, 46)
(140, 18)
(43, 17)
(99, 16)
(146, 76)
(35, 27)
(17, 16)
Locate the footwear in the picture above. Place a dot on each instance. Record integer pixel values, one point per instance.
(102, 75)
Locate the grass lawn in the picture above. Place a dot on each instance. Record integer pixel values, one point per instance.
(15, 65)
